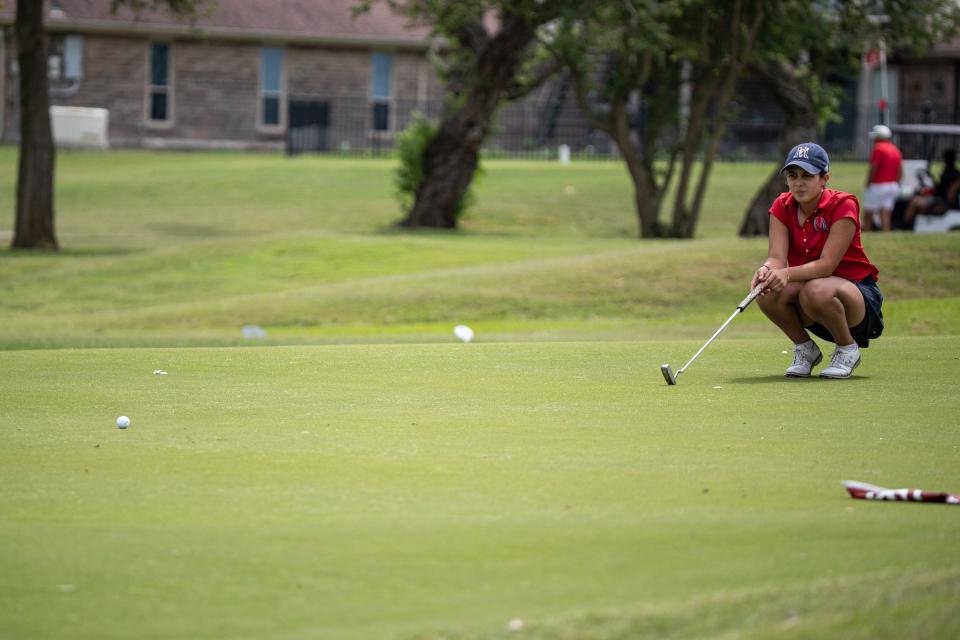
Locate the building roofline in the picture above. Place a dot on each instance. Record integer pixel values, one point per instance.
(186, 30)
(415, 43)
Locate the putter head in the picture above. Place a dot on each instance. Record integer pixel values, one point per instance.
(668, 374)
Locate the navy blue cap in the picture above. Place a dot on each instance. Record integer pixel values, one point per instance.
(810, 157)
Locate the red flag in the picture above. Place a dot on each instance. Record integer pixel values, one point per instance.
(864, 491)
(871, 58)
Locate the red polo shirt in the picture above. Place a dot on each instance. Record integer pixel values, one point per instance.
(885, 160)
(807, 241)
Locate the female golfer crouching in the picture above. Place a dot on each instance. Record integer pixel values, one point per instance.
(816, 276)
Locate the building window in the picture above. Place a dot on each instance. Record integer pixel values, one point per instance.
(65, 61)
(381, 91)
(73, 57)
(159, 91)
(271, 88)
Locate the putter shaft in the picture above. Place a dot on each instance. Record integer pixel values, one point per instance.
(671, 377)
(707, 343)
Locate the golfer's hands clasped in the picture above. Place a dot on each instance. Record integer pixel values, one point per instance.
(772, 279)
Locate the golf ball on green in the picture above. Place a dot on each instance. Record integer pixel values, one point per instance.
(123, 422)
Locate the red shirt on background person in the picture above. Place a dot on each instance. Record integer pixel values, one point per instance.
(885, 162)
(883, 179)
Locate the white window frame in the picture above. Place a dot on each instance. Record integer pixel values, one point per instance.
(149, 87)
(281, 126)
(388, 100)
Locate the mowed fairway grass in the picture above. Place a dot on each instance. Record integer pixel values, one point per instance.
(358, 473)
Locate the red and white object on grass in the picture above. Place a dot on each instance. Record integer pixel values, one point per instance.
(864, 491)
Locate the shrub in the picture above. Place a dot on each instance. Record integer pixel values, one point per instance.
(411, 145)
(410, 148)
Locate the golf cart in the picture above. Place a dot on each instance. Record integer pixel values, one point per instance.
(928, 141)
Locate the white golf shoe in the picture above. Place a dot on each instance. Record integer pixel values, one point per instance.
(842, 363)
(805, 357)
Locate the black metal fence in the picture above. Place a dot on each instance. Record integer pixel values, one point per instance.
(539, 126)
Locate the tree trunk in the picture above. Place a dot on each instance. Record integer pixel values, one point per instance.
(646, 194)
(646, 202)
(34, 227)
(684, 220)
(721, 91)
(800, 111)
(451, 158)
(449, 164)
(756, 222)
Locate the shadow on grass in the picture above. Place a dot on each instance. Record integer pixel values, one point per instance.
(396, 229)
(186, 230)
(67, 252)
(771, 379)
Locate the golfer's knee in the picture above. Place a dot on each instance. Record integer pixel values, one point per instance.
(815, 294)
(769, 301)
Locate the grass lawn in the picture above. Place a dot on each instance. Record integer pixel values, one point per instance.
(185, 249)
(427, 491)
(359, 474)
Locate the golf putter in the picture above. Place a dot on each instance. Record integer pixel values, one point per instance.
(665, 369)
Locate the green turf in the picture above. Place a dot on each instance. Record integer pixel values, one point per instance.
(402, 491)
(367, 477)
(372, 288)
(127, 200)
(185, 249)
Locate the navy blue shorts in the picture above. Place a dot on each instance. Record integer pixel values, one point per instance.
(872, 324)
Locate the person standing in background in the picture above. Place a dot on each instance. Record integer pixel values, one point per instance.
(883, 179)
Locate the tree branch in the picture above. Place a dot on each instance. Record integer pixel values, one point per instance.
(473, 36)
(521, 88)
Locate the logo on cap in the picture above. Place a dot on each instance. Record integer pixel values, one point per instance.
(809, 156)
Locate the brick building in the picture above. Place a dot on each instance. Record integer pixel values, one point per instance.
(262, 74)
(237, 77)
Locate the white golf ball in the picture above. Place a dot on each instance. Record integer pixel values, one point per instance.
(123, 422)
(463, 332)
(515, 625)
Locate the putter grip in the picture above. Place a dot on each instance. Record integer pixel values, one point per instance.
(750, 296)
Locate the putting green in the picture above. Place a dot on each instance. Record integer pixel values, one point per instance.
(443, 490)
